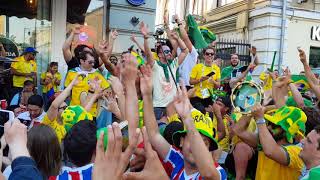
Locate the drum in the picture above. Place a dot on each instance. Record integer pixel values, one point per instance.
(245, 95)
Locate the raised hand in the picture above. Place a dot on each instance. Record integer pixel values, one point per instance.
(174, 35)
(116, 84)
(15, 134)
(182, 103)
(77, 29)
(133, 38)
(144, 29)
(253, 50)
(166, 17)
(302, 55)
(103, 47)
(258, 111)
(146, 80)
(114, 34)
(177, 19)
(153, 168)
(129, 70)
(111, 104)
(113, 162)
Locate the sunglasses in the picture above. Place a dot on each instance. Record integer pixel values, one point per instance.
(209, 54)
(166, 52)
(90, 62)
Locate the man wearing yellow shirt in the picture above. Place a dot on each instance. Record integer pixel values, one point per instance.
(89, 74)
(205, 77)
(279, 158)
(24, 68)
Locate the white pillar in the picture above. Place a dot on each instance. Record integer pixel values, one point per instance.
(59, 16)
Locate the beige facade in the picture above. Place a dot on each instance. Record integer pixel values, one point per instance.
(259, 22)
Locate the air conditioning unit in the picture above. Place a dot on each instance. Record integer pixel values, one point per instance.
(301, 1)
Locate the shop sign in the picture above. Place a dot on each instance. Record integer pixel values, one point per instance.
(315, 33)
(10, 48)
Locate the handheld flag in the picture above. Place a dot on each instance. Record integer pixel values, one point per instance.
(208, 35)
(301, 82)
(195, 34)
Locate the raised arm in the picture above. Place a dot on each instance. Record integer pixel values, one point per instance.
(66, 48)
(220, 125)
(202, 156)
(184, 34)
(157, 141)
(234, 81)
(145, 32)
(182, 46)
(105, 51)
(309, 74)
(240, 129)
(134, 40)
(173, 42)
(129, 73)
(118, 90)
(270, 147)
(53, 109)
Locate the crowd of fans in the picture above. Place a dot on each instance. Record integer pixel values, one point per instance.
(162, 112)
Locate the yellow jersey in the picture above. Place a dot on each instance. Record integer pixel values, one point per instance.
(200, 70)
(83, 86)
(269, 169)
(46, 88)
(22, 66)
(58, 128)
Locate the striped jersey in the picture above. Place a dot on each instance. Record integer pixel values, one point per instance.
(175, 162)
(81, 173)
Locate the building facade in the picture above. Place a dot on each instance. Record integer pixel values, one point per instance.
(45, 24)
(260, 22)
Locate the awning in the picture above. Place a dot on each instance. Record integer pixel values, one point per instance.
(41, 9)
(77, 10)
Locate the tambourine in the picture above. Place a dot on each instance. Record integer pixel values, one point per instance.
(245, 95)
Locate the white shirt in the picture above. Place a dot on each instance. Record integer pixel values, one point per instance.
(163, 91)
(187, 65)
(26, 116)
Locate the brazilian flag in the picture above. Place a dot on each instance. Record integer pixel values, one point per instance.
(207, 35)
(195, 34)
(301, 82)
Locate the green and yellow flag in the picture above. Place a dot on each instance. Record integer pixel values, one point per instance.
(195, 34)
(207, 35)
(301, 82)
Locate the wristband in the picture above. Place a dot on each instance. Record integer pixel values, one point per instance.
(146, 37)
(179, 24)
(261, 121)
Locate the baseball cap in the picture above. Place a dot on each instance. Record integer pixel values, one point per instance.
(30, 50)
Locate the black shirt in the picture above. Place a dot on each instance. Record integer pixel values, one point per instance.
(73, 63)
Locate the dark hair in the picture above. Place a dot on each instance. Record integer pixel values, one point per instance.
(35, 100)
(209, 47)
(13, 107)
(44, 148)
(80, 50)
(170, 129)
(53, 64)
(80, 142)
(163, 44)
(28, 83)
(313, 120)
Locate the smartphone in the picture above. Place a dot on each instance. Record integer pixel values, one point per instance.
(25, 122)
(5, 116)
(210, 74)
